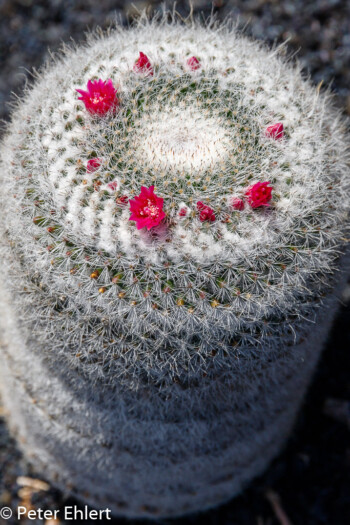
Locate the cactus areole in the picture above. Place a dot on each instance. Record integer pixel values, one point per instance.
(174, 211)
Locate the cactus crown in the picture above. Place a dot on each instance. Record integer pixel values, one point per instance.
(212, 283)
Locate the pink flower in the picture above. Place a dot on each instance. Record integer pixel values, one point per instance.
(93, 164)
(143, 64)
(193, 63)
(146, 209)
(100, 97)
(259, 194)
(206, 213)
(275, 131)
(183, 212)
(113, 185)
(237, 203)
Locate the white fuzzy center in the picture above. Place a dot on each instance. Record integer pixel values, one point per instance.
(181, 140)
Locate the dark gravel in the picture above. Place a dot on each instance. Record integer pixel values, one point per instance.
(311, 478)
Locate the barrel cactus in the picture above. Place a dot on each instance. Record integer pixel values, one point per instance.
(174, 210)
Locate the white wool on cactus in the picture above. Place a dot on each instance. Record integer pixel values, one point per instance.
(172, 231)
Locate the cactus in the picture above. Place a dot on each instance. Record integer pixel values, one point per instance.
(172, 234)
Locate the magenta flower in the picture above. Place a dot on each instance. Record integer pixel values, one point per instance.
(275, 131)
(100, 97)
(237, 203)
(146, 209)
(193, 63)
(259, 194)
(93, 164)
(205, 212)
(143, 64)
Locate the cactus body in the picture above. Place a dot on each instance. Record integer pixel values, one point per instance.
(156, 365)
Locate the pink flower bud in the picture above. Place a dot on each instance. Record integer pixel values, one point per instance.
(275, 131)
(122, 200)
(113, 185)
(193, 63)
(143, 64)
(206, 213)
(93, 164)
(237, 203)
